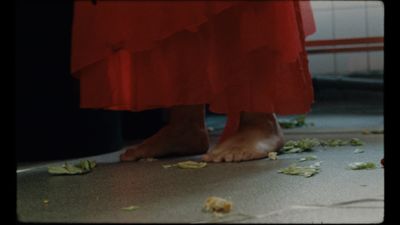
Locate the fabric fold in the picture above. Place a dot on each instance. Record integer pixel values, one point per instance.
(233, 55)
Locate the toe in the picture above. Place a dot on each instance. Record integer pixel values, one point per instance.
(228, 158)
(217, 158)
(206, 158)
(237, 157)
(128, 155)
(123, 157)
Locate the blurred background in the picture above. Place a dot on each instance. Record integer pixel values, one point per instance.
(345, 56)
(361, 21)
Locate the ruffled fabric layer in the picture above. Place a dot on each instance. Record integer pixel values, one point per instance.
(233, 55)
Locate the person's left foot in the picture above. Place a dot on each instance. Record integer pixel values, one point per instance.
(258, 134)
(171, 140)
(185, 134)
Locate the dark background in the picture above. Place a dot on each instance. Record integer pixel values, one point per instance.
(49, 123)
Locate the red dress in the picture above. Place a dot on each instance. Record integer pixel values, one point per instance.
(233, 55)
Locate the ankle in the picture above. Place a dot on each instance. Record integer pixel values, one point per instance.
(187, 125)
(254, 119)
(187, 116)
(265, 122)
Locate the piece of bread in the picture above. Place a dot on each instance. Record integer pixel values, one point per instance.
(216, 204)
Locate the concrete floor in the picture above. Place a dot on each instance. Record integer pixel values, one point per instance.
(260, 194)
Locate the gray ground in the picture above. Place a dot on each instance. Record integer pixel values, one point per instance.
(260, 194)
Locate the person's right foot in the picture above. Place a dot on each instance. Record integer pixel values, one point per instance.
(258, 134)
(179, 140)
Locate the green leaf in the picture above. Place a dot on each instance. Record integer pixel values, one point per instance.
(306, 171)
(57, 170)
(308, 158)
(356, 142)
(82, 167)
(295, 122)
(75, 169)
(295, 150)
(187, 165)
(305, 144)
(130, 208)
(377, 131)
(92, 164)
(334, 142)
(191, 165)
(358, 151)
(362, 165)
(169, 166)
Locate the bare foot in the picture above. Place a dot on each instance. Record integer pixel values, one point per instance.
(184, 135)
(170, 140)
(258, 134)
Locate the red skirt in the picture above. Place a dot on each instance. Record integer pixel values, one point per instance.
(233, 55)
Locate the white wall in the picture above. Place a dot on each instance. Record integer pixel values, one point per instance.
(347, 19)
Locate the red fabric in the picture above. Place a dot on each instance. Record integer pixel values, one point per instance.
(233, 55)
